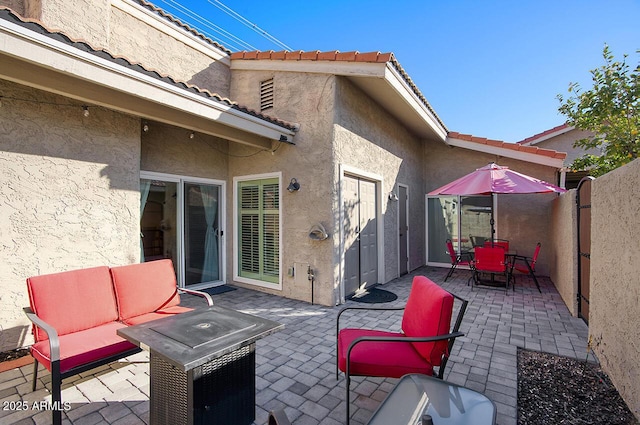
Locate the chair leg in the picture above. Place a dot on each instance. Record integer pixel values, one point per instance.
(278, 417)
(348, 381)
(56, 393)
(35, 375)
(536, 281)
(450, 272)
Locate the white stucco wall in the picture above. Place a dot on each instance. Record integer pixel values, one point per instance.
(69, 194)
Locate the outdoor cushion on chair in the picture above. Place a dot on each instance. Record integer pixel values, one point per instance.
(424, 342)
(144, 289)
(73, 347)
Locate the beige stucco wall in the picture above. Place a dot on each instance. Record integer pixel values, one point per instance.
(15, 5)
(139, 42)
(564, 143)
(369, 140)
(69, 194)
(563, 261)
(167, 149)
(86, 20)
(524, 220)
(124, 30)
(309, 161)
(614, 306)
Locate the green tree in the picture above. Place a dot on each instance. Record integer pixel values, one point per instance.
(611, 111)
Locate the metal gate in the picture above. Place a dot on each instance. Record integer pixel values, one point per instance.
(584, 246)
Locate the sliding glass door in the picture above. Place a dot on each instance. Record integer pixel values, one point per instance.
(181, 220)
(463, 219)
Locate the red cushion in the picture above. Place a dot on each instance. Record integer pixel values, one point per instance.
(428, 313)
(144, 288)
(389, 359)
(72, 301)
(84, 346)
(165, 312)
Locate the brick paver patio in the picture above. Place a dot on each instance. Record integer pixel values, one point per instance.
(295, 368)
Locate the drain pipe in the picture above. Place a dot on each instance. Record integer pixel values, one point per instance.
(311, 277)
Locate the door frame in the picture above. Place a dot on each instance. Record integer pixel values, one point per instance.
(180, 180)
(378, 180)
(407, 232)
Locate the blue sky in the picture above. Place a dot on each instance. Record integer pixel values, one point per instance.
(489, 68)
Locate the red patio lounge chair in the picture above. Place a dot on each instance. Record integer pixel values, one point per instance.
(462, 259)
(423, 345)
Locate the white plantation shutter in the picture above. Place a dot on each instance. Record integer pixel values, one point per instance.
(259, 232)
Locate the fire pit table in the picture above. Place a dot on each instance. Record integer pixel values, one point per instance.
(202, 365)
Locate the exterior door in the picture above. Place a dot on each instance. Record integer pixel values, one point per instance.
(181, 220)
(403, 230)
(360, 234)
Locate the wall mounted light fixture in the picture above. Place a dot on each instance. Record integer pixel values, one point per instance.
(393, 196)
(294, 186)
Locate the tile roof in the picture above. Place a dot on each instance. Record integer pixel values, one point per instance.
(163, 14)
(38, 27)
(337, 56)
(533, 138)
(505, 145)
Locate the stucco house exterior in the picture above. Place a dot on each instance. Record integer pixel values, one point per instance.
(561, 138)
(126, 136)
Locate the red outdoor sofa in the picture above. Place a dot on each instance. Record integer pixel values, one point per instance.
(76, 315)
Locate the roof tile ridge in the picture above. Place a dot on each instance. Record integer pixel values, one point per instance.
(394, 62)
(506, 145)
(543, 133)
(166, 15)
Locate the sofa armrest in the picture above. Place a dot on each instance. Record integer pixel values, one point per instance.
(54, 341)
(204, 295)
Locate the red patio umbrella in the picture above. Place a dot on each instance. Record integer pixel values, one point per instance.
(492, 179)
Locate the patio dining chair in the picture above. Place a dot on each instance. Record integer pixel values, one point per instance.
(422, 346)
(492, 261)
(461, 259)
(526, 265)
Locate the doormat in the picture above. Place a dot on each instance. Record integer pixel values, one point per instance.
(373, 296)
(217, 290)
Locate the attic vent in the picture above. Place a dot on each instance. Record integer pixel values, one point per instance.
(266, 94)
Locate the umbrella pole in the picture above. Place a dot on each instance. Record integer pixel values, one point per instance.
(492, 222)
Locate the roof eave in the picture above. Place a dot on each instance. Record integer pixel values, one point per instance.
(38, 61)
(378, 79)
(536, 158)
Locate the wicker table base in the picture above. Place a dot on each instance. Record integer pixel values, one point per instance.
(220, 392)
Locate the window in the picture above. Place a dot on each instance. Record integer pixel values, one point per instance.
(258, 231)
(463, 219)
(266, 94)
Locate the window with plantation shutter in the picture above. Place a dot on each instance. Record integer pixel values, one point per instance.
(259, 229)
